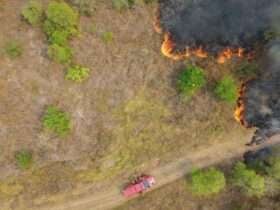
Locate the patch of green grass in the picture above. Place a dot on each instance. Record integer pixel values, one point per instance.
(33, 12)
(107, 37)
(190, 80)
(60, 54)
(227, 90)
(24, 159)
(57, 121)
(77, 73)
(207, 182)
(13, 49)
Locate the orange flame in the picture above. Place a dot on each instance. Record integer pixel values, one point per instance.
(168, 47)
(200, 53)
(228, 53)
(240, 109)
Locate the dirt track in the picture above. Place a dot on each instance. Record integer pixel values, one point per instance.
(164, 175)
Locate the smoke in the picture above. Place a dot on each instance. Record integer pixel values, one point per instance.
(216, 24)
(262, 97)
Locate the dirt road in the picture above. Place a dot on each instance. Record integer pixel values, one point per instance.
(164, 175)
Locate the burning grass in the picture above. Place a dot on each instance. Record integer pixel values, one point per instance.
(240, 108)
(168, 49)
(204, 28)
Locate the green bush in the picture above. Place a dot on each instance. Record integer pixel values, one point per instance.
(61, 17)
(107, 37)
(85, 7)
(271, 34)
(227, 90)
(60, 54)
(13, 49)
(251, 183)
(123, 4)
(273, 170)
(57, 121)
(191, 80)
(77, 73)
(24, 159)
(207, 182)
(59, 38)
(149, 1)
(33, 12)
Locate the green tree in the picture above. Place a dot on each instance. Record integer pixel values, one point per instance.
(24, 159)
(57, 121)
(33, 12)
(190, 80)
(251, 183)
(207, 182)
(226, 89)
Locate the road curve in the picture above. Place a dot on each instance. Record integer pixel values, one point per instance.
(164, 175)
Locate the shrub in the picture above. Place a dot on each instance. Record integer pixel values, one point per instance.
(59, 38)
(61, 17)
(85, 7)
(33, 12)
(190, 80)
(226, 89)
(149, 1)
(56, 120)
(271, 34)
(77, 73)
(13, 49)
(107, 37)
(24, 159)
(60, 54)
(247, 70)
(123, 4)
(247, 179)
(273, 170)
(208, 182)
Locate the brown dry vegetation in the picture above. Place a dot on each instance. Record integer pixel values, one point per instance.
(127, 113)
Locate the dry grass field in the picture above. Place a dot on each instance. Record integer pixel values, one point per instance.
(128, 114)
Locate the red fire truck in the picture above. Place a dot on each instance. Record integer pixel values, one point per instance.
(140, 185)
